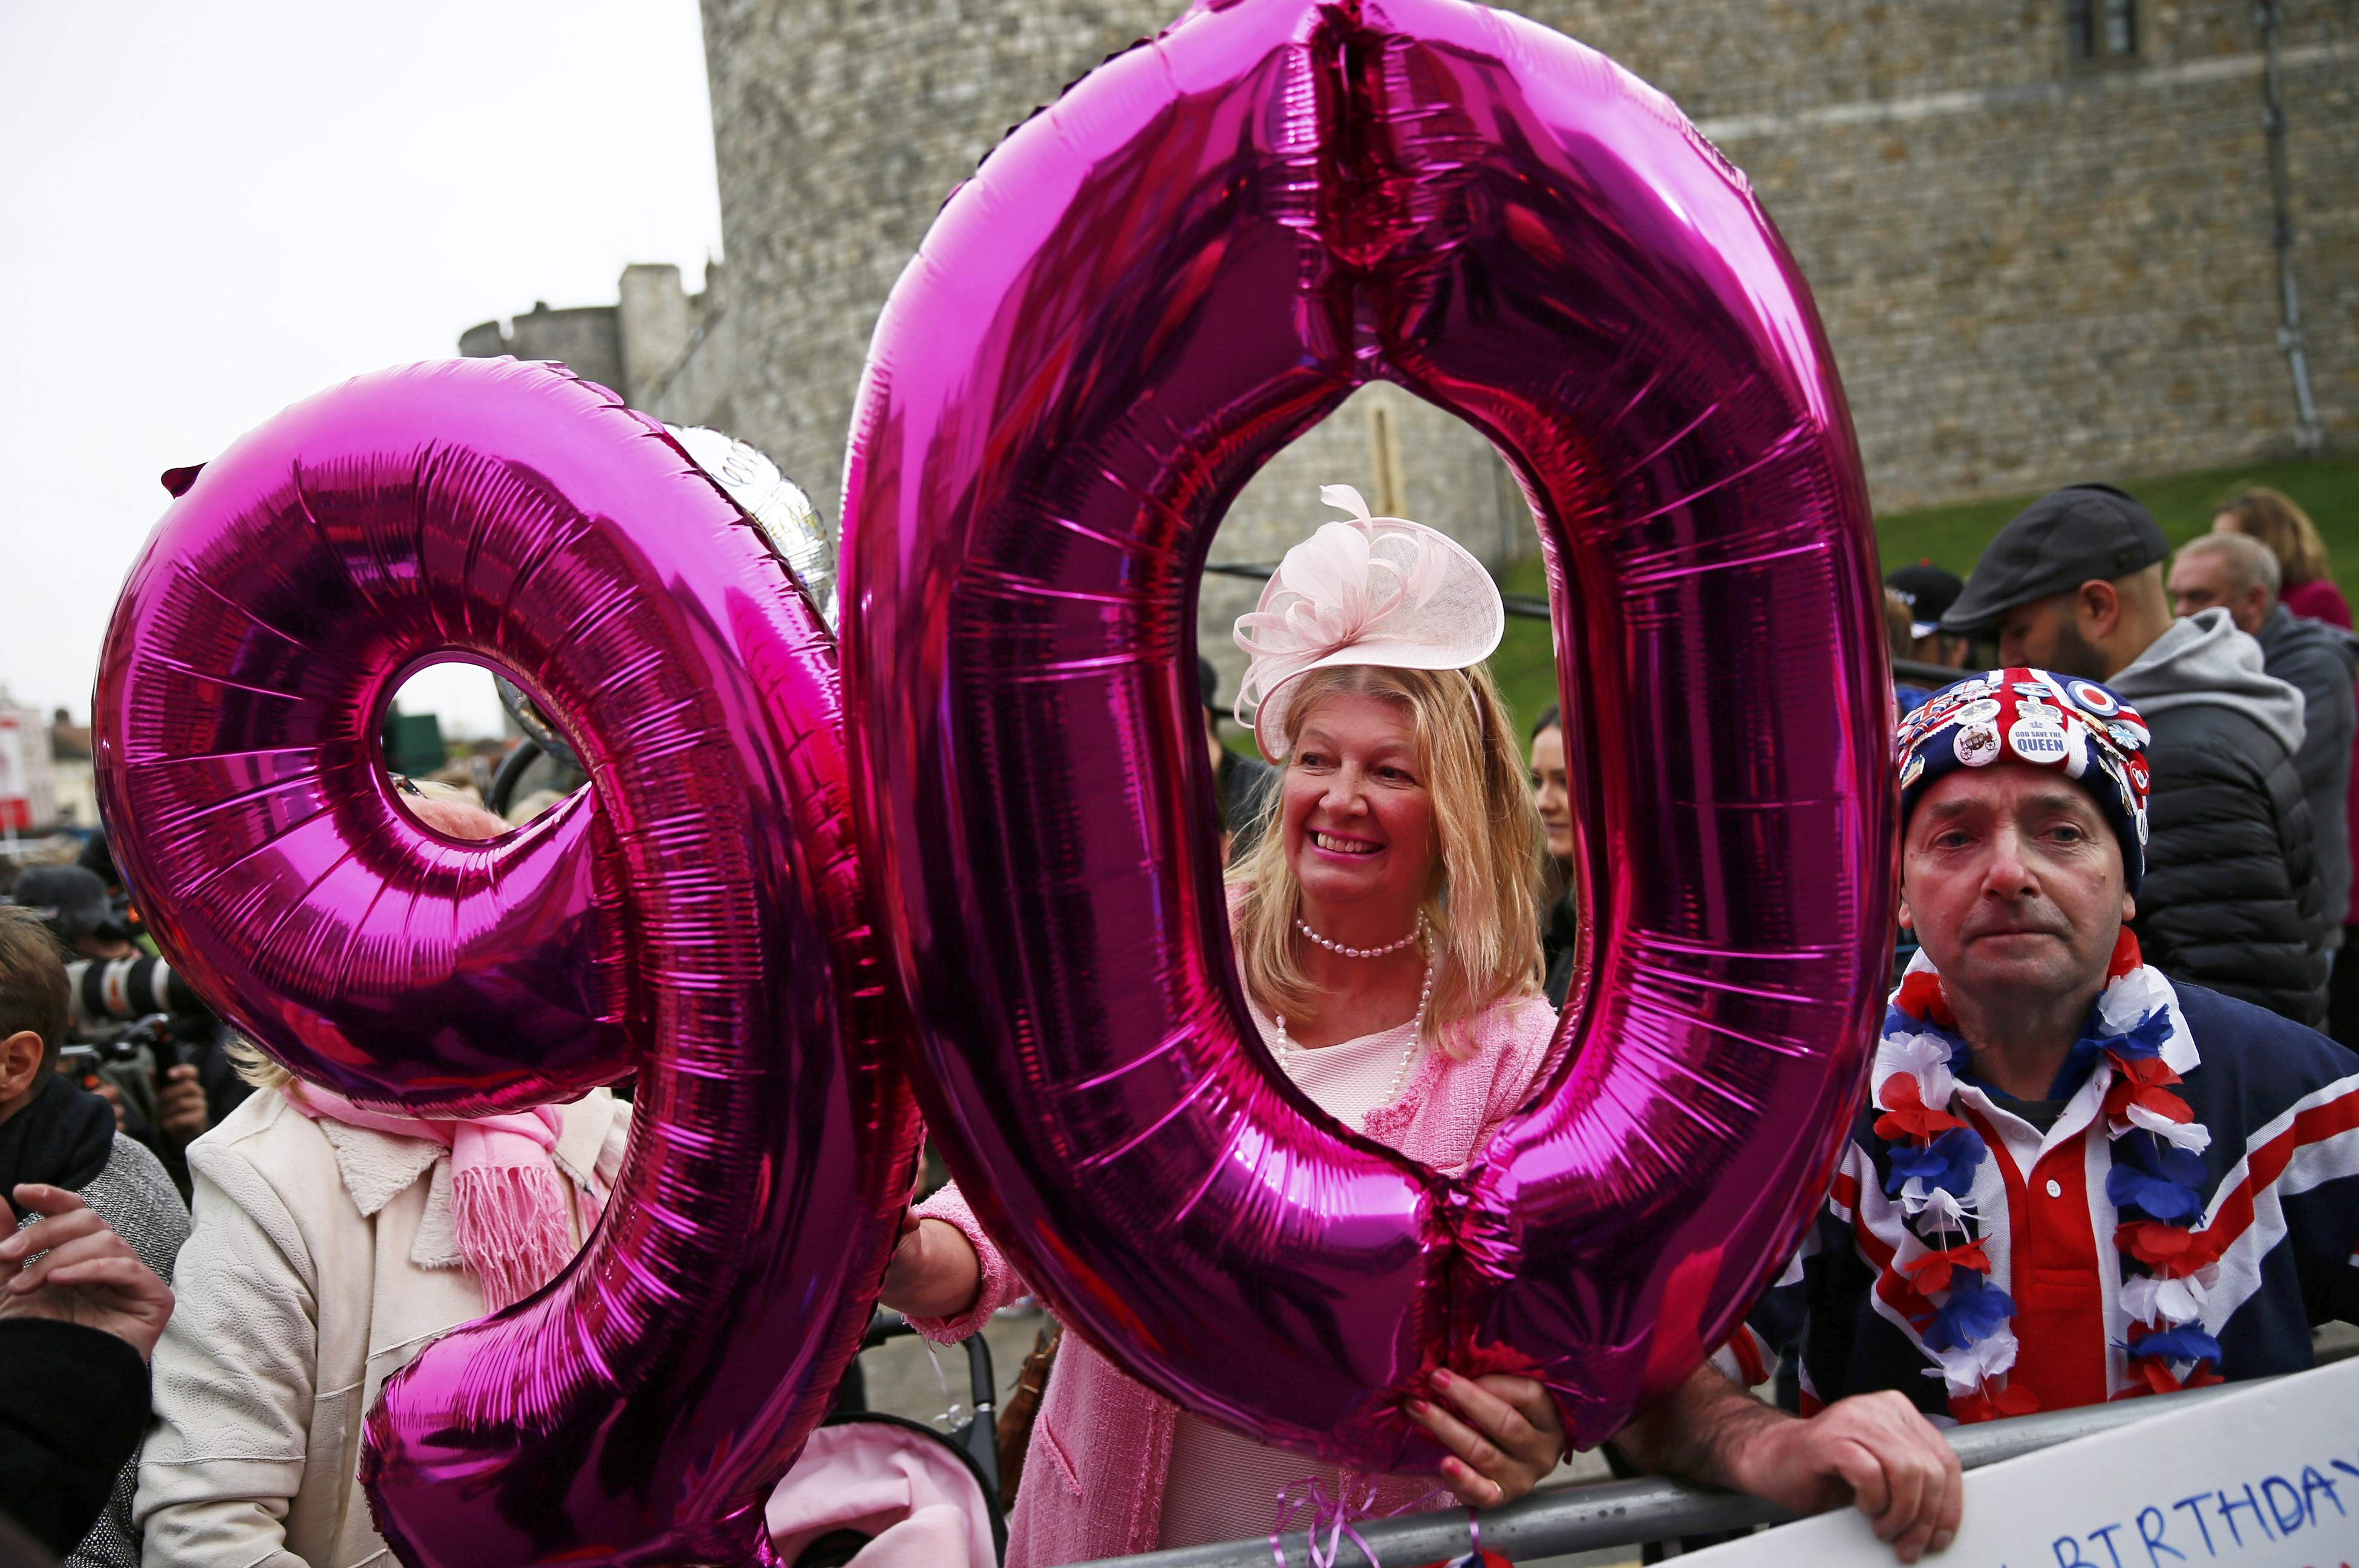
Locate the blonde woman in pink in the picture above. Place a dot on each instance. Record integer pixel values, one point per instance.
(1384, 934)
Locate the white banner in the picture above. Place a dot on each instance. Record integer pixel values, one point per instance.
(2267, 1477)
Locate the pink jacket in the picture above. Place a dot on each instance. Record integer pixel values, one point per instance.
(1101, 1447)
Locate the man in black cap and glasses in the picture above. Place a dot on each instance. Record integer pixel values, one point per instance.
(2233, 898)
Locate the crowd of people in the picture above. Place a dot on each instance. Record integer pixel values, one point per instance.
(2105, 1148)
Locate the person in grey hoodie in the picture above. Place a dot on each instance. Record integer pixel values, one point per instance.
(2234, 898)
(2240, 575)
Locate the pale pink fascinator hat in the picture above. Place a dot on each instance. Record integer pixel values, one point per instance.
(1375, 590)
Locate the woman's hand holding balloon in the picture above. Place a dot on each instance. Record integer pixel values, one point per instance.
(934, 1273)
(1503, 1435)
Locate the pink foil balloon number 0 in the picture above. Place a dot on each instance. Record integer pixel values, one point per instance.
(1146, 290)
(696, 915)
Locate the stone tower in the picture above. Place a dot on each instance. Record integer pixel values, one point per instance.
(2039, 231)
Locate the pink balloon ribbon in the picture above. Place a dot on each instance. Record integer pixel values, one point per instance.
(696, 917)
(1148, 289)
(1331, 1513)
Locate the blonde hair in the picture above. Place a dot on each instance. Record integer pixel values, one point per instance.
(253, 1066)
(2278, 521)
(1486, 883)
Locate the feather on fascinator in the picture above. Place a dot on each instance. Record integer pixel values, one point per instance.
(1374, 591)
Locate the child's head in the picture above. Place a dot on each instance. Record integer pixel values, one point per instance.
(32, 1006)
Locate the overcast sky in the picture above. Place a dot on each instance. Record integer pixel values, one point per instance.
(209, 212)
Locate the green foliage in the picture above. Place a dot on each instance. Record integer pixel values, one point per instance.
(1953, 537)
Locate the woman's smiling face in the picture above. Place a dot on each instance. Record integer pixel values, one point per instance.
(1357, 815)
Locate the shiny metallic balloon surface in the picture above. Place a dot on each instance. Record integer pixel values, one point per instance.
(695, 916)
(780, 507)
(1150, 287)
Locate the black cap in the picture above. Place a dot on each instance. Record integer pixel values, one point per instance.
(1208, 681)
(1929, 592)
(71, 901)
(2063, 539)
(98, 859)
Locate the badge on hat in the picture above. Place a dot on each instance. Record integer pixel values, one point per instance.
(2093, 697)
(2040, 741)
(1979, 711)
(1976, 745)
(1912, 770)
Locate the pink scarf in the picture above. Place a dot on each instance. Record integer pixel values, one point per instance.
(508, 1198)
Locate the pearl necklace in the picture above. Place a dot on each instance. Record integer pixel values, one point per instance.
(1417, 1033)
(1416, 931)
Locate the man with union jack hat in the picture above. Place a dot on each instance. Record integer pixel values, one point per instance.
(2076, 1180)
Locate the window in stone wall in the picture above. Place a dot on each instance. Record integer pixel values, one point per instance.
(2097, 32)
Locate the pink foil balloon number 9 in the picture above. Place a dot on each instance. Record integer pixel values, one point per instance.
(697, 916)
(1150, 288)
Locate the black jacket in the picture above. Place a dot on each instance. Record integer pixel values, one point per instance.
(1559, 946)
(2318, 661)
(2233, 897)
(73, 1406)
(1244, 784)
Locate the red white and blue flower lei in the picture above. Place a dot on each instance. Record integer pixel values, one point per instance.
(1945, 1290)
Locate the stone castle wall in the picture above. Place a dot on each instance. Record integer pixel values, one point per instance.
(2031, 269)
(669, 352)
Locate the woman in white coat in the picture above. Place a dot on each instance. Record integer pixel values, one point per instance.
(332, 1245)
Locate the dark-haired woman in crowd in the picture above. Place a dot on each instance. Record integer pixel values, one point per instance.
(1560, 888)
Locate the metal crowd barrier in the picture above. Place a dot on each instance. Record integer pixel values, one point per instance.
(1631, 1513)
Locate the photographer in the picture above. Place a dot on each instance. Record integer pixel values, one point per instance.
(137, 1033)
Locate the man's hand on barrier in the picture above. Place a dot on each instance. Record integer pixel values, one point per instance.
(1876, 1452)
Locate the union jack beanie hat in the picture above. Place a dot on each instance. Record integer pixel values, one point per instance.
(2079, 727)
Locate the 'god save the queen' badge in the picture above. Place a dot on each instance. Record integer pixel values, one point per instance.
(2037, 740)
